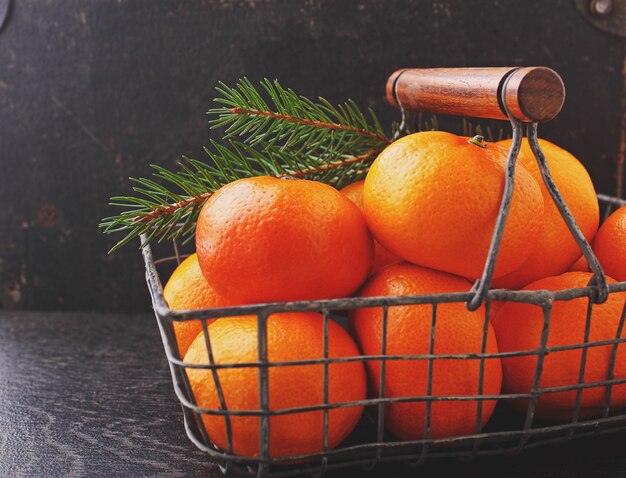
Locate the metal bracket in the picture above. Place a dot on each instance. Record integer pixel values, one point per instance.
(606, 15)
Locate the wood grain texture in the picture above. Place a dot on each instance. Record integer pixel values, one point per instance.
(531, 93)
(453, 91)
(535, 94)
(90, 396)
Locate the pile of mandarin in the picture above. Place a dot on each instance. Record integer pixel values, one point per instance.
(420, 223)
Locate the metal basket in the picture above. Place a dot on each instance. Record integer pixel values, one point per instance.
(369, 444)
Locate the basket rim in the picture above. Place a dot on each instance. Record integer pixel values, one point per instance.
(542, 298)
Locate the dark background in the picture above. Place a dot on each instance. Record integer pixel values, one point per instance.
(92, 92)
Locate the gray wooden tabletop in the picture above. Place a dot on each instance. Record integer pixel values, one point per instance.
(90, 395)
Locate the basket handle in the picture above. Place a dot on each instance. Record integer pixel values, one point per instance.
(533, 94)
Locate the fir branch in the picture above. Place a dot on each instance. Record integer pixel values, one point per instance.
(168, 206)
(171, 208)
(316, 124)
(361, 159)
(282, 133)
(291, 120)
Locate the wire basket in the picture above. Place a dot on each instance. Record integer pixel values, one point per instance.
(506, 433)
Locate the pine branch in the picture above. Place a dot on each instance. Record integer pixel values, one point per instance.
(292, 121)
(281, 133)
(361, 160)
(316, 124)
(287, 134)
(167, 206)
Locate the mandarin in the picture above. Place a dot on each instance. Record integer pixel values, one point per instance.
(187, 289)
(581, 265)
(555, 250)
(610, 245)
(433, 199)
(457, 331)
(382, 257)
(519, 326)
(290, 337)
(265, 239)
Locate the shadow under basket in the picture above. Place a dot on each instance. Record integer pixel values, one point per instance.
(507, 432)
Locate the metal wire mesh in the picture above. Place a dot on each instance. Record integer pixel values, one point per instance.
(370, 444)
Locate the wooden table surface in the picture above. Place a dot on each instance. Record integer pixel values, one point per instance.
(90, 395)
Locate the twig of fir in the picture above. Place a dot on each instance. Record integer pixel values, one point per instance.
(269, 130)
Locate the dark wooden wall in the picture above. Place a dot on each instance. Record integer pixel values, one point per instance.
(91, 92)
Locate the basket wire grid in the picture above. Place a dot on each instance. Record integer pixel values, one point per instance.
(370, 444)
(381, 447)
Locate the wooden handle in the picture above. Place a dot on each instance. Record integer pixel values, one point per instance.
(532, 94)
